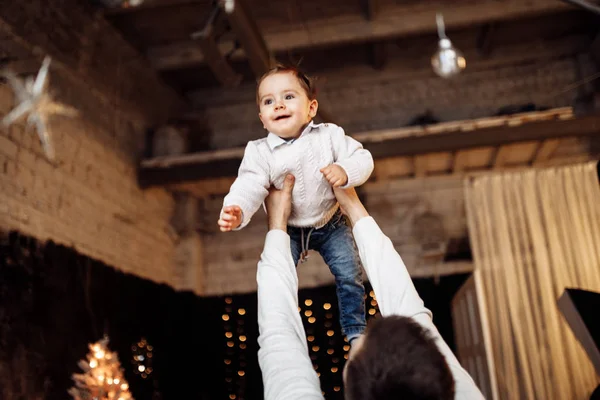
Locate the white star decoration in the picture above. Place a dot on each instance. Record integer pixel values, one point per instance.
(33, 99)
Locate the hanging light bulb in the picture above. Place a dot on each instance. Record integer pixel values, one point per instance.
(229, 6)
(447, 60)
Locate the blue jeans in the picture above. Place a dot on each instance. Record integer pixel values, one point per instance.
(335, 243)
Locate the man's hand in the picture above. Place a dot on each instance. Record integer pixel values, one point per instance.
(335, 175)
(279, 204)
(350, 204)
(231, 218)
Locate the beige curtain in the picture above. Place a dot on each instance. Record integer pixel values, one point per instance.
(533, 234)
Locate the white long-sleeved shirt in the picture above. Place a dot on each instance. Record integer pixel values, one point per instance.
(268, 160)
(283, 355)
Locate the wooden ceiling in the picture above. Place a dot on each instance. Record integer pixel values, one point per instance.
(363, 41)
(335, 34)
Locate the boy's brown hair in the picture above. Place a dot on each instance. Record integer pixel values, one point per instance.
(306, 82)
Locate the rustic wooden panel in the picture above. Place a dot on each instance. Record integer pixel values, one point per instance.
(478, 158)
(393, 167)
(572, 146)
(545, 150)
(515, 154)
(521, 153)
(438, 162)
(421, 166)
(204, 188)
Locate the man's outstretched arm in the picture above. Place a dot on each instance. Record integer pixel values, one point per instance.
(286, 367)
(393, 286)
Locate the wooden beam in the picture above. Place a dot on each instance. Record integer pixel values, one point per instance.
(218, 64)
(486, 38)
(393, 167)
(247, 32)
(499, 157)
(466, 161)
(421, 166)
(459, 161)
(383, 144)
(545, 151)
(92, 50)
(369, 8)
(255, 48)
(377, 55)
(398, 20)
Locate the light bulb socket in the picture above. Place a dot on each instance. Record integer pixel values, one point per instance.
(445, 43)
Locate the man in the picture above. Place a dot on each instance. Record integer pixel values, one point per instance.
(401, 355)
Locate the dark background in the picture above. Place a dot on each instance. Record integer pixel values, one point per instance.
(53, 302)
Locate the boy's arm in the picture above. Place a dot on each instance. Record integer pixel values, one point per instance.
(251, 186)
(349, 154)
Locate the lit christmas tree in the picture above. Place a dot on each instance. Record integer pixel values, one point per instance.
(102, 377)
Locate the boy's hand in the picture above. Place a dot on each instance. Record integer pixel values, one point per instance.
(231, 218)
(335, 175)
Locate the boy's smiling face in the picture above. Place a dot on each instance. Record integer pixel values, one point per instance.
(285, 108)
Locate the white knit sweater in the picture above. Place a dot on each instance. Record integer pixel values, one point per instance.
(268, 160)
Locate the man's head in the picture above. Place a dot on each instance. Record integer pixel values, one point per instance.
(286, 100)
(396, 359)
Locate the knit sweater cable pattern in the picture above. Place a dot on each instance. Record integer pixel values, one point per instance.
(268, 160)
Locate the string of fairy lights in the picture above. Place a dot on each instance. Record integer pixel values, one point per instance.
(236, 346)
(327, 346)
(142, 358)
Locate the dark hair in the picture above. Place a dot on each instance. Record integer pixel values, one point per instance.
(398, 360)
(306, 82)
